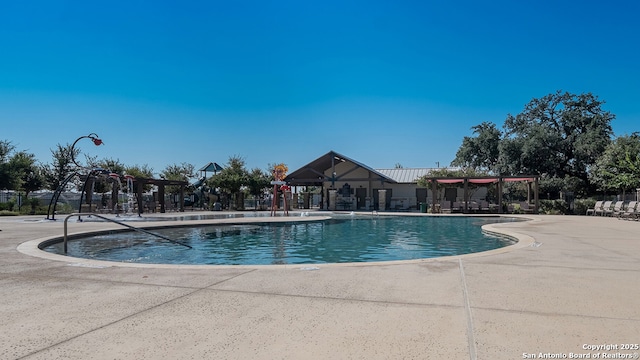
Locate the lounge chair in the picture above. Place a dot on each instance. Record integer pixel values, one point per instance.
(605, 207)
(597, 206)
(630, 212)
(524, 207)
(445, 206)
(615, 209)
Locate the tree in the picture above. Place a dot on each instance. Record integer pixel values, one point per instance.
(618, 169)
(27, 172)
(19, 170)
(559, 135)
(181, 172)
(61, 167)
(423, 181)
(480, 152)
(231, 179)
(257, 182)
(142, 172)
(8, 179)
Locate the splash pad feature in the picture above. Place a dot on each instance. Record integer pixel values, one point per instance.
(279, 173)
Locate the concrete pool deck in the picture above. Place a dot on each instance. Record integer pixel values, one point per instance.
(570, 286)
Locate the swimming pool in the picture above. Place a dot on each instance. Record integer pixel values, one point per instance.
(338, 240)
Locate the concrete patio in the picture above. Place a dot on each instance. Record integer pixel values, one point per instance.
(570, 285)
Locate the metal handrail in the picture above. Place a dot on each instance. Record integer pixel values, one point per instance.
(119, 223)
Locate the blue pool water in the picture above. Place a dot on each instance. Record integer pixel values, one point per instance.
(339, 240)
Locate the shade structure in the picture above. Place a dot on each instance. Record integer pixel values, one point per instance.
(531, 180)
(211, 167)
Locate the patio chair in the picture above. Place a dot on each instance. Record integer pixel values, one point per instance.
(630, 212)
(445, 206)
(524, 207)
(597, 206)
(605, 207)
(615, 209)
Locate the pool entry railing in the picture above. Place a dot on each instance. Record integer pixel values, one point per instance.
(119, 223)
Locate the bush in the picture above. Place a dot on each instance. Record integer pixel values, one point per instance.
(554, 207)
(580, 206)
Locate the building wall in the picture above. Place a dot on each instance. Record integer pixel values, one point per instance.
(403, 195)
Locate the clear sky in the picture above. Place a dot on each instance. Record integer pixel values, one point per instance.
(382, 82)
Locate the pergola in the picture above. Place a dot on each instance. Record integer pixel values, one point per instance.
(530, 180)
(138, 186)
(139, 183)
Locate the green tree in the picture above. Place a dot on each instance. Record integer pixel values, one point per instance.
(423, 181)
(618, 168)
(482, 151)
(8, 179)
(140, 172)
(27, 172)
(19, 170)
(179, 172)
(559, 135)
(61, 167)
(257, 182)
(231, 179)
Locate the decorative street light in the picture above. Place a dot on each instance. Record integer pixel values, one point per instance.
(96, 141)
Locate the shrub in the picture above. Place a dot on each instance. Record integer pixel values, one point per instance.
(580, 206)
(554, 207)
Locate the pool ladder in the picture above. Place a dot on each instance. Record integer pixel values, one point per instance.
(119, 223)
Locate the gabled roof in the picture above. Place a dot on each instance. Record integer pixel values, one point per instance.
(313, 172)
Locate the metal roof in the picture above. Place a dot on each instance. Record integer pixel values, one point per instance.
(405, 176)
(211, 167)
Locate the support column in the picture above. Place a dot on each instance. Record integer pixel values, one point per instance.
(332, 199)
(306, 200)
(536, 195)
(466, 195)
(500, 210)
(382, 199)
(434, 195)
(161, 198)
(181, 201)
(139, 188)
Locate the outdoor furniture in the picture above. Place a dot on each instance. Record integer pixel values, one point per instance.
(445, 206)
(524, 207)
(615, 209)
(630, 212)
(605, 207)
(597, 206)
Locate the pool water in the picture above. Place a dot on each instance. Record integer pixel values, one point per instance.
(338, 240)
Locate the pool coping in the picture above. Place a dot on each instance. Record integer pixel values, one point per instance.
(33, 247)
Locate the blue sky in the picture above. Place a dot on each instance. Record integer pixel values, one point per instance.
(287, 81)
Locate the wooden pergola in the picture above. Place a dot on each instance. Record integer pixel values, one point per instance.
(139, 183)
(138, 186)
(532, 182)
